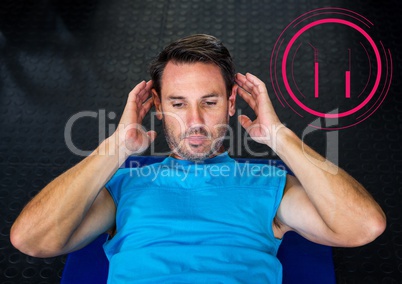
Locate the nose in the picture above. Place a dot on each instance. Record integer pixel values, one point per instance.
(194, 117)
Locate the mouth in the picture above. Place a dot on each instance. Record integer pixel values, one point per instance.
(196, 140)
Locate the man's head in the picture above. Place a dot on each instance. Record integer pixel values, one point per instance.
(192, 49)
(194, 95)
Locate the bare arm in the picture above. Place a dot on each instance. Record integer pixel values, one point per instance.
(342, 212)
(322, 203)
(75, 208)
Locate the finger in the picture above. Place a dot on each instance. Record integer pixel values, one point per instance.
(258, 87)
(245, 121)
(251, 84)
(145, 93)
(240, 77)
(134, 107)
(244, 82)
(261, 90)
(247, 98)
(263, 99)
(145, 107)
(241, 80)
(132, 96)
(253, 79)
(140, 93)
(151, 135)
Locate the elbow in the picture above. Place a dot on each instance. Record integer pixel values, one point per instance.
(370, 230)
(377, 227)
(19, 240)
(28, 245)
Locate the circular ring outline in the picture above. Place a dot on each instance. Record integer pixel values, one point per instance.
(328, 21)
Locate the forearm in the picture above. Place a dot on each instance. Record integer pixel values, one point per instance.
(53, 215)
(343, 203)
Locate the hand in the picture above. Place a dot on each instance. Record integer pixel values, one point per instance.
(131, 135)
(267, 124)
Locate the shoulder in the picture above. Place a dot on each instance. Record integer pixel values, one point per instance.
(260, 174)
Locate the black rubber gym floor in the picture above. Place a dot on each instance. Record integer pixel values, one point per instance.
(67, 66)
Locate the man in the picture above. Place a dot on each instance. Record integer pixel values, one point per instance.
(203, 217)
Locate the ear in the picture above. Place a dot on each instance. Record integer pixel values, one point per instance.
(157, 103)
(232, 100)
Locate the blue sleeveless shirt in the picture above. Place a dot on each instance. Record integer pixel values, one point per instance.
(195, 222)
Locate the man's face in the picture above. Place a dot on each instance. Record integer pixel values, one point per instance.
(195, 109)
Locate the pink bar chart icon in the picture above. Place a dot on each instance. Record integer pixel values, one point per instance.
(347, 79)
(317, 76)
(347, 86)
(316, 79)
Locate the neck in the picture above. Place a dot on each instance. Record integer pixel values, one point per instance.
(214, 154)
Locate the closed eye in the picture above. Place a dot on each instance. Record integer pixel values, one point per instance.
(178, 105)
(210, 103)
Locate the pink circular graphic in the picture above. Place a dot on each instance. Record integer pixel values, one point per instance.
(381, 79)
(329, 21)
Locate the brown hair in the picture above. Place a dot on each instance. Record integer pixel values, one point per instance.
(192, 49)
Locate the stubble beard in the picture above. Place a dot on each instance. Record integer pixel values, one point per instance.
(179, 147)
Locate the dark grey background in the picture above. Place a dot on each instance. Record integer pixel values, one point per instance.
(58, 58)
